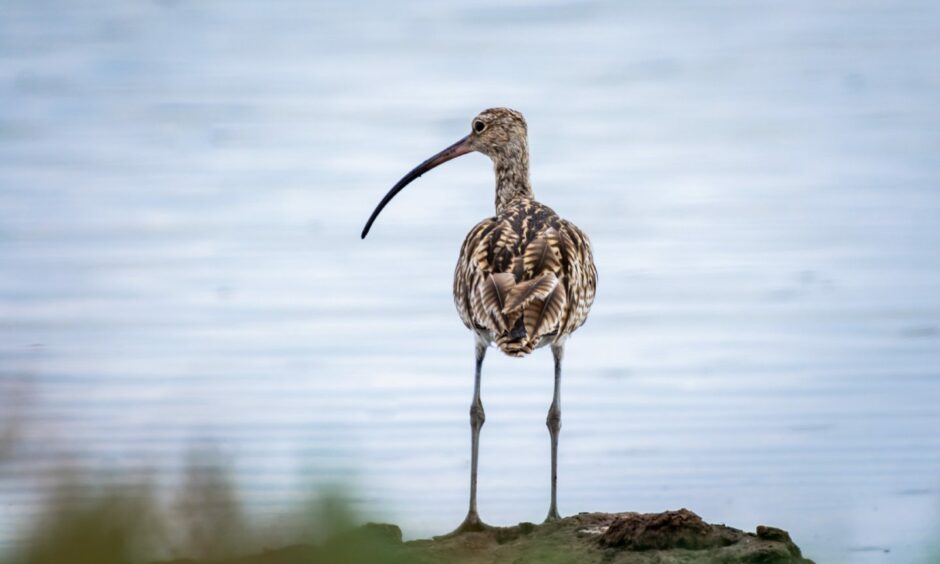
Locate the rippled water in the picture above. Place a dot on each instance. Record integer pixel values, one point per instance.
(182, 186)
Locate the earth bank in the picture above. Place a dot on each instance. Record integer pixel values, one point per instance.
(671, 537)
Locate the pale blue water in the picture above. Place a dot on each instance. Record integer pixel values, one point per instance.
(182, 186)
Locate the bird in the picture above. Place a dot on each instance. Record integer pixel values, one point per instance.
(525, 278)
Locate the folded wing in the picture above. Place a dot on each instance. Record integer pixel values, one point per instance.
(524, 283)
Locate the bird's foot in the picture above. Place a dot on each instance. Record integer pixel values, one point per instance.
(471, 524)
(552, 516)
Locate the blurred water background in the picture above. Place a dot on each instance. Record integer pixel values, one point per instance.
(182, 186)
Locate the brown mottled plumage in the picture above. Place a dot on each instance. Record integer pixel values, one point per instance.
(525, 277)
(552, 282)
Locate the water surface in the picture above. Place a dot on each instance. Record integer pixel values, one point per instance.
(182, 186)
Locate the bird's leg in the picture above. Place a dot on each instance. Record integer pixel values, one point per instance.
(553, 421)
(477, 418)
(472, 522)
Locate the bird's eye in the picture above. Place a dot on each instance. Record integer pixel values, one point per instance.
(479, 126)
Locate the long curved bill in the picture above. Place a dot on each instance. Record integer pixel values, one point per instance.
(461, 147)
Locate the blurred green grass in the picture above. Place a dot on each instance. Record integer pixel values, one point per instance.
(88, 523)
(123, 520)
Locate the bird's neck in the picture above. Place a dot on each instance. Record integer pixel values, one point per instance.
(512, 176)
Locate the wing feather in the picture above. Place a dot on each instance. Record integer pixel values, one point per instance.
(524, 292)
(541, 316)
(525, 277)
(580, 276)
(542, 254)
(494, 290)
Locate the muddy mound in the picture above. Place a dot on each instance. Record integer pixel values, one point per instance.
(671, 537)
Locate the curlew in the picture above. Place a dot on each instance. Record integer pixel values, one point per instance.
(525, 277)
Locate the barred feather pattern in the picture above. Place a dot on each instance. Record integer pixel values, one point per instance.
(525, 278)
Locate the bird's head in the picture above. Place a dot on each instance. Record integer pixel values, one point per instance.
(499, 133)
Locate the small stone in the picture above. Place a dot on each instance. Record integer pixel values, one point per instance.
(772, 533)
(592, 531)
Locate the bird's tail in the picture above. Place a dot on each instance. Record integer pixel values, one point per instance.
(522, 312)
